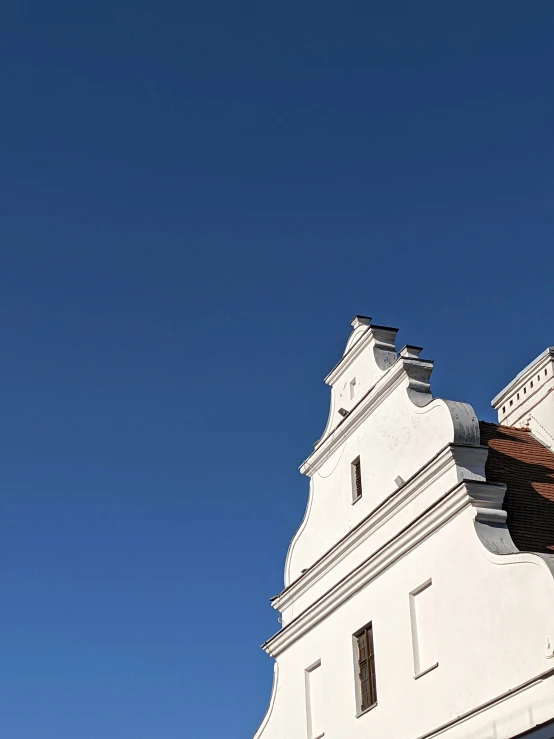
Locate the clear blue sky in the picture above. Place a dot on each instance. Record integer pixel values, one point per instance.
(196, 199)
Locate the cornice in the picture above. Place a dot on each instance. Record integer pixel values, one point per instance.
(485, 497)
(351, 354)
(383, 339)
(463, 457)
(523, 377)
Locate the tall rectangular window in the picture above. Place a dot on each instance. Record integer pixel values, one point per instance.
(356, 470)
(422, 612)
(366, 668)
(314, 701)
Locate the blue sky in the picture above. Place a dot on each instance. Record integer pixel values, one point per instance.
(196, 199)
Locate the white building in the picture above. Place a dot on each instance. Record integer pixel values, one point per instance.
(419, 588)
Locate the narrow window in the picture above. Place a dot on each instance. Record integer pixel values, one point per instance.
(352, 388)
(366, 668)
(422, 612)
(314, 701)
(356, 480)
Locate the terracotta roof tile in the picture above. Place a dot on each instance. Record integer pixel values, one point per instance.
(527, 467)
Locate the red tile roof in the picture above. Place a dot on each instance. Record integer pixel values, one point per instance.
(527, 467)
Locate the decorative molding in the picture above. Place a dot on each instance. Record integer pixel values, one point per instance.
(359, 325)
(498, 543)
(383, 339)
(367, 404)
(523, 377)
(483, 496)
(470, 463)
(466, 423)
(417, 371)
(384, 350)
(535, 680)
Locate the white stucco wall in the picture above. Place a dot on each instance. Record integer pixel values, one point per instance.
(493, 616)
(394, 426)
(492, 608)
(397, 439)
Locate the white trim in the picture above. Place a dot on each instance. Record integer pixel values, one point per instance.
(383, 338)
(367, 710)
(523, 377)
(535, 680)
(367, 404)
(418, 672)
(424, 672)
(308, 695)
(325, 446)
(449, 457)
(486, 498)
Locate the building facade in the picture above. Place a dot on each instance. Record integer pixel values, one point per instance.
(419, 588)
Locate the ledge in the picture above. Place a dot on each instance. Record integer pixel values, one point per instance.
(482, 496)
(414, 372)
(451, 455)
(523, 377)
(366, 710)
(424, 672)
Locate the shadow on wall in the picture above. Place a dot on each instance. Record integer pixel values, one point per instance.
(517, 459)
(536, 731)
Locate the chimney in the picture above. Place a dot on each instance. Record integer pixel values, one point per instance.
(528, 401)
